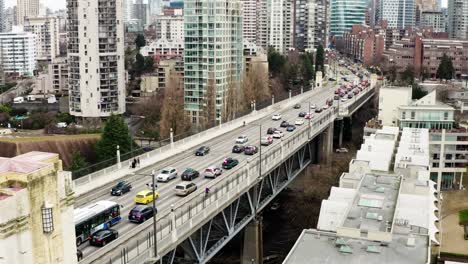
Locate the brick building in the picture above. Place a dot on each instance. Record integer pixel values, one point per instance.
(365, 44)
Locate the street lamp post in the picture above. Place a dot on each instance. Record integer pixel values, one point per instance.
(153, 187)
(259, 166)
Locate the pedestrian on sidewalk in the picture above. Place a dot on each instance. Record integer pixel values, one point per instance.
(138, 162)
(133, 163)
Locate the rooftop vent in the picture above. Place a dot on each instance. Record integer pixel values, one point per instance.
(346, 249)
(373, 249)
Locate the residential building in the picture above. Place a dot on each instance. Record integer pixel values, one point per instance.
(321, 23)
(128, 13)
(29, 8)
(255, 57)
(211, 56)
(47, 33)
(2, 16)
(390, 98)
(18, 53)
(55, 80)
(95, 56)
(344, 14)
(166, 69)
(255, 22)
(36, 201)
(170, 27)
(9, 19)
(263, 22)
(428, 5)
(425, 53)
(141, 13)
(434, 19)
(155, 9)
(379, 213)
(458, 19)
(365, 44)
(281, 27)
(398, 13)
(164, 49)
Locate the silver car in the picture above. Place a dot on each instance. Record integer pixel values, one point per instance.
(167, 174)
(242, 139)
(185, 188)
(212, 172)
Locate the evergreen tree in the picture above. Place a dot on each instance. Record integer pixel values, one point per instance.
(275, 61)
(417, 92)
(320, 59)
(139, 65)
(77, 161)
(308, 67)
(407, 76)
(115, 133)
(140, 41)
(445, 70)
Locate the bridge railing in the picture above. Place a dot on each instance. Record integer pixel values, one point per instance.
(178, 221)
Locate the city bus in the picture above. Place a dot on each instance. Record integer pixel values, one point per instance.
(94, 217)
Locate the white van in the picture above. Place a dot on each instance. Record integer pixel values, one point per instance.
(18, 100)
(62, 125)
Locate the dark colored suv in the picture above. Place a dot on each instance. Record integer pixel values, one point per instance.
(189, 174)
(271, 130)
(102, 237)
(121, 188)
(238, 149)
(284, 124)
(202, 151)
(302, 114)
(140, 213)
(250, 150)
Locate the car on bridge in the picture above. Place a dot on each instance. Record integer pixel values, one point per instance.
(141, 213)
(291, 128)
(266, 141)
(121, 188)
(299, 122)
(308, 116)
(313, 106)
(250, 150)
(242, 139)
(336, 97)
(238, 149)
(145, 197)
(325, 107)
(302, 114)
(230, 163)
(102, 237)
(212, 172)
(271, 130)
(284, 124)
(167, 174)
(202, 151)
(297, 106)
(189, 174)
(185, 188)
(350, 95)
(276, 117)
(278, 134)
(318, 110)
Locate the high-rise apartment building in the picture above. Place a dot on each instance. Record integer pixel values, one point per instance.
(2, 16)
(141, 12)
(212, 54)
(29, 8)
(18, 53)
(398, 13)
(346, 13)
(281, 28)
(128, 13)
(458, 19)
(263, 22)
(170, 27)
(255, 22)
(47, 33)
(95, 56)
(434, 19)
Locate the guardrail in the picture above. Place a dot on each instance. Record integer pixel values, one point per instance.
(175, 224)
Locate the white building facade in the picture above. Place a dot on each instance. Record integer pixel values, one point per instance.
(458, 19)
(434, 19)
(18, 53)
(170, 27)
(47, 33)
(95, 56)
(398, 13)
(281, 28)
(29, 8)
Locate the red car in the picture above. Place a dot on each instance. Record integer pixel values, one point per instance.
(308, 116)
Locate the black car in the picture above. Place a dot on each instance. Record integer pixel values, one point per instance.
(271, 130)
(297, 106)
(102, 237)
(202, 151)
(302, 114)
(350, 95)
(121, 188)
(291, 128)
(318, 110)
(79, 254)
(250, 150)
(230, 163)
(140, 213)
(284, 124)
(238, 149)
(189, 174)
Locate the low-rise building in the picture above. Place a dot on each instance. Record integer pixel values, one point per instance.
(365, 44)
(164, 49)
(18, 53)
(36, 201)
(55, 80)
(166, 69)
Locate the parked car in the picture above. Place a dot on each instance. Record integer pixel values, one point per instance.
(266, 141)
(167, 174)
(297, 106)
(250, 150)
(342, 150)
(276, 117)
(271, 130)
(145, 197)
(141, 213)
(202, 151)
(185, 188)
(212, 172)
(102, 237)
(299, 122)
(302, 114)
(238, 149)
(189, 174)
(121, 188)
(318, 110)
(278, 134)
(284, 124)
(79, 254)
(291, 128)
(229, 163)
(242, 139)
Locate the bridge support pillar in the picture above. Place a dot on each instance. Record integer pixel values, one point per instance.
(340, 135)
(252, 252)
(326, 142)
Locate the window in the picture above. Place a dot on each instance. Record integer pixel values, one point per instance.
(403, 115)
(445, 115)
(413, 115)
(47, 220)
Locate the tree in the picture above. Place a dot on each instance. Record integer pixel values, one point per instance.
(149, 64)
(139, 65)
(115, 134)
(254, 86)
(392, 74)
(320, 59)
(425, 74)
(407, 76)
(173, 114)
(77, 161)
(232, 103)
(150, 109)
(307, 67)
(5, 109)
(140, 41)
(275, 61)
(418, 92)
(445, 70)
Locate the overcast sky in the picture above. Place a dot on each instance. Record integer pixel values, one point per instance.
(60, 4)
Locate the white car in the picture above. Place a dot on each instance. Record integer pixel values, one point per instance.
(313, 106)
(212, 172)
(344, 99)
(167, 174)
(276, 117)
(278, 134)
(299, 122)
(242, 139)
(325, 107)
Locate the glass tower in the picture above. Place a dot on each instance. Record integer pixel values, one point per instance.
(346, 13)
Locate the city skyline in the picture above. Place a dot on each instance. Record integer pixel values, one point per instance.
(52, 4)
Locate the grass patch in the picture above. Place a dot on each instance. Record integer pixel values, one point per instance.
(463, 217)
(54, 137)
